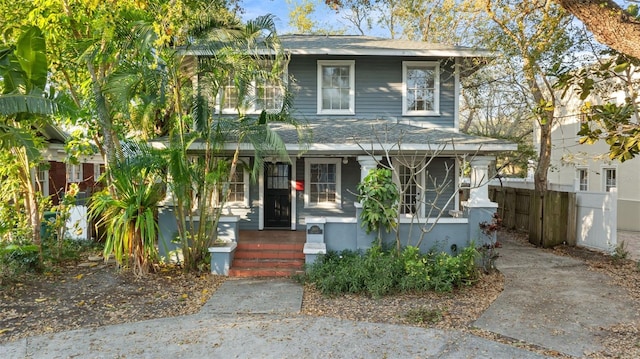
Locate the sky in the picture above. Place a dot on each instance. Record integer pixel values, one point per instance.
(280, 8)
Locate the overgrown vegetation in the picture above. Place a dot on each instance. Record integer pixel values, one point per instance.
(380, 272)
(22, 257)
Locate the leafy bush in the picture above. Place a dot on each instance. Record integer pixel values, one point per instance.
(378, 272)
(16, 258)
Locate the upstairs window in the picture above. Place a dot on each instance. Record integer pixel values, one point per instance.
(336, 87)
(269, 96)
(257, 94)
(582, 175)
(420, 88)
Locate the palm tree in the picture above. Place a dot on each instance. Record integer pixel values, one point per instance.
(238, 54)
(23, 68)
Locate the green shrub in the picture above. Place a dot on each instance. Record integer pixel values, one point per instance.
(16, 258)
(379, 272)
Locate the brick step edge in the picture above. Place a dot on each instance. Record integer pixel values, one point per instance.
(261, 272)
(271, 246)
(267, 263)
(240, 254)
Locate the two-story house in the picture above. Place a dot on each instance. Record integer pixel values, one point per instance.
(366, 101)
(587, 168)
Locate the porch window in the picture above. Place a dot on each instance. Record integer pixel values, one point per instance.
(420, 88)
(238, 188)
(583, 179)
(74, 173)
(610, 179)
(411, 184)
(322, 178)
(336, 87)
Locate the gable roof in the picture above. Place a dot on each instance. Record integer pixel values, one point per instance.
(375, 46)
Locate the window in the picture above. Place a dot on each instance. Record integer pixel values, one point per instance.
(238, 187)
(410, 183)
(269, 96)
(582, 175)
(610, 179)
(74, 173)
(260, 95)
(42, 179)
(322, 178)
(336, 87)
(229, 101)
(420, 88)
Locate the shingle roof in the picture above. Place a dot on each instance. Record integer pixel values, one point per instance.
(337, 135)
(367, 45)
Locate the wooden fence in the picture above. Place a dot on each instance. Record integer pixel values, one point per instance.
(548, 218)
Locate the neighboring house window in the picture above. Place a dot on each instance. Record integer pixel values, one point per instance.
(420, 88)
(74, 173)
(583, 179)
(322, 178)
(42, 177)
(410, 183)
(610, 179)
(336, 87)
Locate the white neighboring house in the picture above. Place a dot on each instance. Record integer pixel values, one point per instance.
(588, 167)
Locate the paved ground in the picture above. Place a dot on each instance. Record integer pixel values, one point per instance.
(548, 300)
(555, 301)
(631, 243)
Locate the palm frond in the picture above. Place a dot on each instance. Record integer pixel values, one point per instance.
(32, 103)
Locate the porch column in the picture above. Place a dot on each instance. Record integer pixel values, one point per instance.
(479, 191)
(367, 163)
(480, 208)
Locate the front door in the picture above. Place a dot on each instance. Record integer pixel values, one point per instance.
(277, 195)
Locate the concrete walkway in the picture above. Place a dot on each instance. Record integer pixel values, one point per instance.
(555, 301)
(551, 301)
(258, 319)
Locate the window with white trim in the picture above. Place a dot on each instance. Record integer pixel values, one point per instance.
(582, 176)
(420, 88)
(262, 94)
(238, 187)
(610, 179)
(322, 182)
(229, 101)
(42, 179)
(74, 173)
(336, 87)
(269, 96)
(411, 186)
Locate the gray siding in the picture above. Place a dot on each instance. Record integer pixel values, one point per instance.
(437, 171)
(378, 82)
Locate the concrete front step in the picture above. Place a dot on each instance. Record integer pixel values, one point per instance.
(263, 272)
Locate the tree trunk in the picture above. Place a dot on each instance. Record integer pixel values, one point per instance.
(608, 22)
